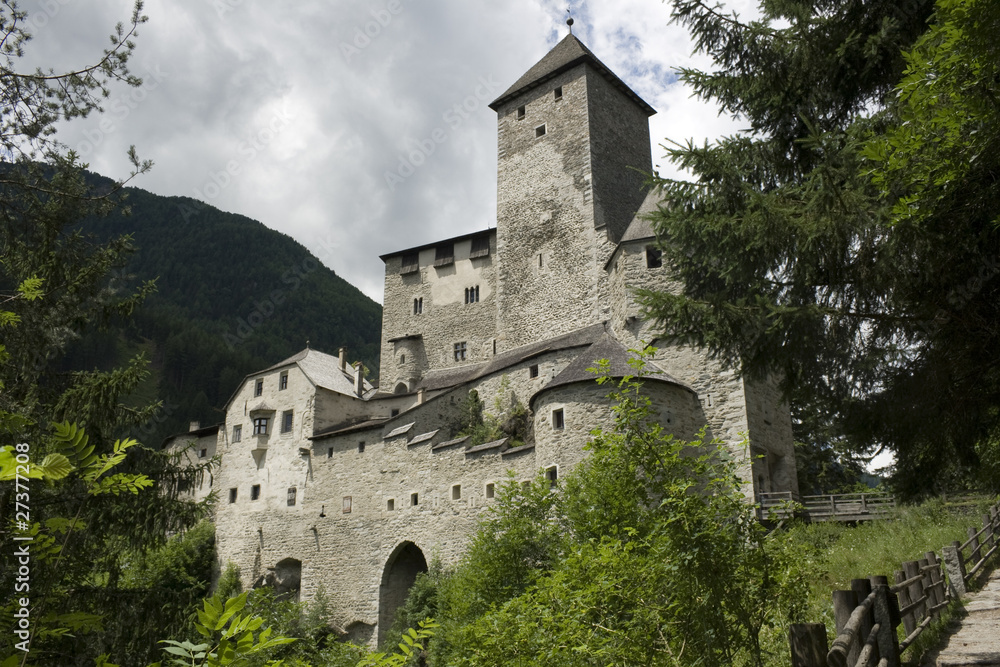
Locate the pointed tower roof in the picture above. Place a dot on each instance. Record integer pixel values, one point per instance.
(566, 55)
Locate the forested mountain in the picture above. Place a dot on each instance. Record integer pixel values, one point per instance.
(232, 297)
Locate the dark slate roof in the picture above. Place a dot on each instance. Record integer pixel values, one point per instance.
(197, 433)
(452, 377)
(450, 443)
(348, 427)
(500, 444)
(427, 246)
(618, 357)
(566, 55)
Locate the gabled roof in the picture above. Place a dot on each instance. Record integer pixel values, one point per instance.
(323, 370)
(566, 55)
(618, 358)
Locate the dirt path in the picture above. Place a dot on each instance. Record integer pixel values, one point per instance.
(977, 639)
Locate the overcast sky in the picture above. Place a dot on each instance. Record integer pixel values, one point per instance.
(292, 112)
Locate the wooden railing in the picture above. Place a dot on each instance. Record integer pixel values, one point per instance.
(827, 507)
(867, 616)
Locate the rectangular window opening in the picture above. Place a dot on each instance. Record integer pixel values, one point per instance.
(348, 500)
(460, 350)
(552, 474)
(258, 388)
(390, 504)
(260, 426)
(456, 492)
(558, 93)
(654, 257)
(283, 381)
(291, 496)
(558, 419)
(361, 447)
(533, 371)
(329, 452)
(520, 113)
(418, 305)
(414, 499)
(411, 263)
(237, 433)
(540, 131)
(232, 496)
(255, 492)
(490, 490)
(286, 422)
(394, 413)
(203, 453)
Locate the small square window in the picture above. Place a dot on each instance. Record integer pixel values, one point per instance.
(258, 387)
(347, 504)
(414, 499)
(361, 447)
(237, 433)
(283, 381)
(558, 93)
(456, 492)
(558, 419)
(490, 490)
(654, 257)
(460, 350)
(390, 504)
(291, 496)
(232, 496)
(203, 453)
(260, 426)
(540, 131)
(329, 452)
(286, 422)
(533, 371)
(255, 492)
(520, 113)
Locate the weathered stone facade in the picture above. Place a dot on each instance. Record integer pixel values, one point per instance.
(355, 489)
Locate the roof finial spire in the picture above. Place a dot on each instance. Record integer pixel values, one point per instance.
(569, 21)
(307, 343)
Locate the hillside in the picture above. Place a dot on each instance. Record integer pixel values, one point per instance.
(233, 297)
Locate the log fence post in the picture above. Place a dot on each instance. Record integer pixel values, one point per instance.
(903, 596)
(937, 592)
(912, 569)
(808, 644)
(844, 603)
(862, 589)
(888, 643)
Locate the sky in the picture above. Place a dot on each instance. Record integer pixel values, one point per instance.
(294, 112)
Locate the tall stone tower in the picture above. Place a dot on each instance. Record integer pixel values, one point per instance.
(572, 157)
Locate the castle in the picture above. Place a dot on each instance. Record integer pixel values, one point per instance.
(327, 481)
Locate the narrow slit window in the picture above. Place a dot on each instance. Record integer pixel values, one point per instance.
(283, 381)
(232, 496)
(456, 492)
(552, 474)
(390, 504)
(361, 447)
(258, 388)
(348, 501)
(414, 499)
(418, 305)
(255, 492)
(329, 452)
(291, 496)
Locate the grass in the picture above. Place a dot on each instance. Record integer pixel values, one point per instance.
(832, 554)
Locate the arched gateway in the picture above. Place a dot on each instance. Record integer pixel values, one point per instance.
(401, 570)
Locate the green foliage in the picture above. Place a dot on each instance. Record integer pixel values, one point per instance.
(847, 244)
(508, 419)
(647, 554)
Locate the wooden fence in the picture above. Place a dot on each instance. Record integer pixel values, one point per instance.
(827, 507)
(867, 616)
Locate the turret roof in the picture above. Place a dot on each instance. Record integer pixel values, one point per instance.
(567, 54)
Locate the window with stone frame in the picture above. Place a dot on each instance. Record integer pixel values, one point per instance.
(460, 350)
(286, 421)
(237, 433)
(654, 257)
(291, 496)
(258, 387)
(260, 425)
(418, 306)
(472, 294)
(533, 371)
(558, 419)
(283, 381)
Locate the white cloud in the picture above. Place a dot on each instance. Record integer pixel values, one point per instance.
(313, 102)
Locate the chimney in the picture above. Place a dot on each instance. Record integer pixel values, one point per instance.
(359, 378)
(343, 358)
(194, 426)
(420, 396)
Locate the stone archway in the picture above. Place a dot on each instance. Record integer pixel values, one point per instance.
(401, 570)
